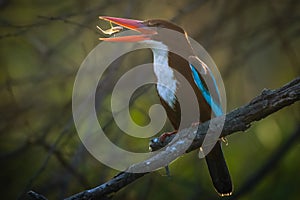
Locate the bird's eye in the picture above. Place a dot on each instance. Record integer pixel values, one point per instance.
(151, 23)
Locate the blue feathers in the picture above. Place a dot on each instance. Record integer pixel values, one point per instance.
(214, 106)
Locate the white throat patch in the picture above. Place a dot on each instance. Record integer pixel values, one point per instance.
(165, 75)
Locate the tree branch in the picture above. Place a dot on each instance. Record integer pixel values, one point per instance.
(240, 119)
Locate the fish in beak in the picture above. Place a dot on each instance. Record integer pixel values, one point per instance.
(136, 25)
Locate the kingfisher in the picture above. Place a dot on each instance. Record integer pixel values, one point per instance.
(165, 62)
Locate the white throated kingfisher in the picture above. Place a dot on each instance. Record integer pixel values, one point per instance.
(165, 62)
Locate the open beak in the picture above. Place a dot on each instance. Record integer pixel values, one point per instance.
(135, 25)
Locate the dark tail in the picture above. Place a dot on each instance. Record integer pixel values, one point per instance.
(218, 171)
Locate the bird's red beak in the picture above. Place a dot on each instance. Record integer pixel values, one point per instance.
(135, 25)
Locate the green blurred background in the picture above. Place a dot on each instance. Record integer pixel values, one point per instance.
(255, 44)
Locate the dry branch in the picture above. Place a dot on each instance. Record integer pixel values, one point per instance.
(240, 119)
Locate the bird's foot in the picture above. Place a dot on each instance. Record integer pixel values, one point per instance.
(159, 142)
(224, 139)
(165, 135)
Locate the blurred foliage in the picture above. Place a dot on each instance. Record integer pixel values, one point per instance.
(255, 44)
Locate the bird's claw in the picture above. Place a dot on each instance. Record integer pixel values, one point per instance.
(159, 142)
(165, 135)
